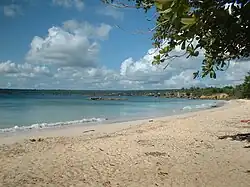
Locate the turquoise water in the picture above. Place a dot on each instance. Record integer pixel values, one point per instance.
(24, 112)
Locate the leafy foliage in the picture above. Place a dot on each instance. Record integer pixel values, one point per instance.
(221, 31)
(246, 87)
(197, 92)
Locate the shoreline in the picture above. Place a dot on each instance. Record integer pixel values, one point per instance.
(181, 150)
(95, 127)
(17, 127)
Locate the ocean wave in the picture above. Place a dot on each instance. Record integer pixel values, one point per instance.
(48, 125)
(202, 106)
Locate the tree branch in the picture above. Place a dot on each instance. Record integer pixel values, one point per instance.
(173, 57)
(120, 5)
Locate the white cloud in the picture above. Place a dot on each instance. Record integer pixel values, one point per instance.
(12, 10)
(87, 77)
(86, 29)
(74, 44)
(78, 4)
(12, 69)
(111, 11)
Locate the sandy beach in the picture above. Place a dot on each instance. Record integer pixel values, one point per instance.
(184, 150)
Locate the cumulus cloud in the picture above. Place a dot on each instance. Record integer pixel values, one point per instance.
(111, 12)
(143, 70)
(12, 10)
(78, 4)
(73, 44)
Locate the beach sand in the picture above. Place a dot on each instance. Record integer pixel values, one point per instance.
(179, 150)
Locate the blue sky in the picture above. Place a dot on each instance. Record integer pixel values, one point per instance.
(83, 44)
(36, 18)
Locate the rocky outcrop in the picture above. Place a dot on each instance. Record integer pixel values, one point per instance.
(179, 95)
(221, 96)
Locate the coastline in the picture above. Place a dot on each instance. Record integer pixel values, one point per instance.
(179, 150)
(95, 127)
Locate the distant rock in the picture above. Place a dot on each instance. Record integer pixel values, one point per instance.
(220, 96)
(107, 99)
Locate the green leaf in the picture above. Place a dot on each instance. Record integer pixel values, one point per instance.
(174, 17)
(161, 51)
(165, 11)
(183, 45)
(185, 27)
(163, 4)
(158, 5)
(155, 62)
(162, 60)
(189, 49)
(196, 74)
(188, 21)
(212, 74)
(157, 57)
(166, 49)
(196, 53)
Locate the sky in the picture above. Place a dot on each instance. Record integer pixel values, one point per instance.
(84, 44)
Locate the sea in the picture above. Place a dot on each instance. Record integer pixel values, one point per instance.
(27, 112)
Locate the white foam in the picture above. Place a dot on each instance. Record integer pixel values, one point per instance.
(201, 106)
(187, 108)
(48, 125)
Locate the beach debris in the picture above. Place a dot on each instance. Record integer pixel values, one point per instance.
(237, 137)
(34, 140)
(104, 136)
(88, 131)
(245, 121)
(156, 154)
(107, 184)
(140, 131)
(40, 139)
(101, 149)
(145, 142)
(214, 106)
(158, 163)
(151, 120)
(163, 173)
